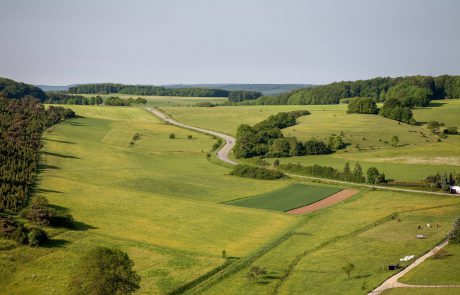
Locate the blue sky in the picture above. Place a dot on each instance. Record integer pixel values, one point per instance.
(202, 41)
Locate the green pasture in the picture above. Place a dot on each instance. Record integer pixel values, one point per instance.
(156, 199)
(165, 101)
(421, 291)
(370, 230)
(287, 198)
(437, 271)
(417, 155)
(444, 111)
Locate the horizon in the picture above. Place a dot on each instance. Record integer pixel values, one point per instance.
(202, 42)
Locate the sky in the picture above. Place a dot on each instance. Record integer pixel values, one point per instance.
(57, 42)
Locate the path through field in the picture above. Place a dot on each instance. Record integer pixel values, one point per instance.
(230, 143)
(393, 281)
(221, 154)
(331, 200)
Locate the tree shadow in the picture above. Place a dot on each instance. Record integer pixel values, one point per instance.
(55, 243)
(44, 190)
(42, 167)
(60, 141)
(81, 226)
(59, 155)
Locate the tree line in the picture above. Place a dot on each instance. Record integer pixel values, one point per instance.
(393, 108)
(413, 90)
(21, 123)
(107, 88)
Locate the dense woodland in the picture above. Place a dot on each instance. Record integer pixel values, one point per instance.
(21, 123)
(13, 89)
(413, 90)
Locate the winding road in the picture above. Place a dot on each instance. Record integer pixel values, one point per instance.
(392, 282)
(222, 154)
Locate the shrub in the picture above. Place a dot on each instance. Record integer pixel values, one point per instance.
(20, 235)
(256, 172)
(276, 163)
(172, 136)
(37, 237)
(451, 130)
(105, 271)
(189, 136)
(62, 220)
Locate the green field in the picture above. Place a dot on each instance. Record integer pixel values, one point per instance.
(417, 155)
(165, 101)
(290, 197)
(421, 291)
(440, 271)
(157, 200)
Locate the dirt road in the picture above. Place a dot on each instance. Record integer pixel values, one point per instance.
(222, 154)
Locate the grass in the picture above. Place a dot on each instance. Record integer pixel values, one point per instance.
(157, 200)
(311, 259)
(166, 101)
(417, 155)
(287, 198)
(438, 271)
(421, 291)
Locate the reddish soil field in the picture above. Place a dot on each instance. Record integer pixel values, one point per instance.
(331, 200)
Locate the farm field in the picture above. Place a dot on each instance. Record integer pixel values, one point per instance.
(287, 198)
(370, 230)
(417, 155)
(437, 271)
(155, 199)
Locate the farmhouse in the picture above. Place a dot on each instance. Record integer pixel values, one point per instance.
(455, 189)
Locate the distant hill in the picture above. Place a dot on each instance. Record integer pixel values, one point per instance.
(265, 89)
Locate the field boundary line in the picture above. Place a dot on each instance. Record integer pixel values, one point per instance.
(326, 243)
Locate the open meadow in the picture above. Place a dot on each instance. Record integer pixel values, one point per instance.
(368, 137)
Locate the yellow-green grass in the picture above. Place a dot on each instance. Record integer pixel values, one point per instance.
(437, 271)
(165, 101)
(445, 111)
(287, 198)
(417, 155)
(330, 238)
(157, 200)
(421, 291)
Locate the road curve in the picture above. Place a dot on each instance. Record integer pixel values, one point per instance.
(393, 281)
(222, 154)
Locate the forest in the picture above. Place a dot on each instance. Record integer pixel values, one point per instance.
(412, 90)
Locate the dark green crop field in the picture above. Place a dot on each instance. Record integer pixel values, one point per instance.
(287, 198)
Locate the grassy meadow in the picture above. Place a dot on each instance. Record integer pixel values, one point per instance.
(155, 199)
(417, 155)
(287, 198)
(165, 101)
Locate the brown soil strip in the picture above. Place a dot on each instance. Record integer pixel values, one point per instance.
(331, 200)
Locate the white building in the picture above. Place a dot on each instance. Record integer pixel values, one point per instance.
(455, 189)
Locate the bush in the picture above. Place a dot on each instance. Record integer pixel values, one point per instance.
(20, 235)
(189, 136)
(105, 271)
(172, 136)
(256, 172)
(362, 105)
(451, 130)
(62, 220)
(37, 237)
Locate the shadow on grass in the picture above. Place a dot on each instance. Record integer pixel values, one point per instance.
(59, 141)
(59, 155)
(55, 243)
(81, 226)
(44, 190)
(42, 167)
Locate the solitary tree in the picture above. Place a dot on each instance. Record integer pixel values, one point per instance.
(172, 136)
(189, 136)
(276, 163)
(105, 271)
